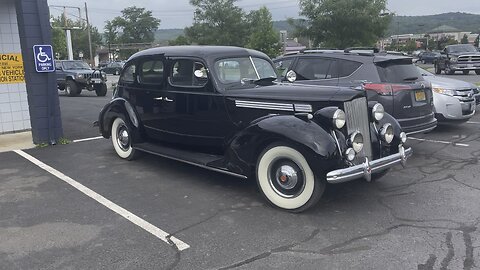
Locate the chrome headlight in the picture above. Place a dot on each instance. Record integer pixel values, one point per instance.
(443, 91)
(356, 139)
(403, 137)
(79, 76)
(378, 111)
(350, 154)
(386, 132)
(338, 119)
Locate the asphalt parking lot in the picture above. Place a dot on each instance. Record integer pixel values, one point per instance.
(80, 206)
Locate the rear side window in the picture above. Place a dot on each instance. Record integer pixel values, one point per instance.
(188, 73)
(346, 67)
(316, 68)
(128, 74)
(151, 72)
(398, 72)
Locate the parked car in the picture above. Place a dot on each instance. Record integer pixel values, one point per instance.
(75, 75)
(428, 57)
(459, 57)
(389, 79)
(453, 100)
(219, 108)
(113, 68)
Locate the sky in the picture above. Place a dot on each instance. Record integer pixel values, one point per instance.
(179, 13)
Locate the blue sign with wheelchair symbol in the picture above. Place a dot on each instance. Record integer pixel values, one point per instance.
(43, 55)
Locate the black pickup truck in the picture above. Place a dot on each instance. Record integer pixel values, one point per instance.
(75, 75)
(460, 57)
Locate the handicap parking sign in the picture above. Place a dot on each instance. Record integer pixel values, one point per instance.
(43, 55)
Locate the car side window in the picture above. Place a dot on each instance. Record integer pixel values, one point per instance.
(188, 73)
(128, 74)
(283, 66)
(151, 72)
(346, 67)
(316, 68)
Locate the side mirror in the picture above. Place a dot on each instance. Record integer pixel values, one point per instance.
(291, 76)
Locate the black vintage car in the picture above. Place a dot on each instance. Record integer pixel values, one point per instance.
(219, 108)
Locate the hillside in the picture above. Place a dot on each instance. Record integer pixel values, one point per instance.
(399, 25)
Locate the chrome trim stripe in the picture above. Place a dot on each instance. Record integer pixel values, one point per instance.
(273, 106)
(264, 105)
(302, 107)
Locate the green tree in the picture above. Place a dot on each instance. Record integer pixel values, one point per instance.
(136, 25)
(79, 38)
(110, 33)
(343, 23)
(180, 40)
(263, 37)
(217, 22)
(464, 39)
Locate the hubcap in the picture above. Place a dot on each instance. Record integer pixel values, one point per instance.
(286, 178)
(123, 138)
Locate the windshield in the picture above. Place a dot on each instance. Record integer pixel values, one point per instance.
(68, 65)
(237, 71)
(461, 48)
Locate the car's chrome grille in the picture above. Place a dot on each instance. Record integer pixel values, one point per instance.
(469, 58)
(96, 75)
(357, 120)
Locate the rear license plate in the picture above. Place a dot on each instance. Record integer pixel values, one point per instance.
(96, 80)
(420, 95)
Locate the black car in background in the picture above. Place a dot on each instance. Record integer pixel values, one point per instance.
(113, 68)
(428, 57)
(219, 108)
(389, 79)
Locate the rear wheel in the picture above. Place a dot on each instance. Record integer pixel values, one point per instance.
(286, 180)
(122, 139)
(101, 90)
(71, 88)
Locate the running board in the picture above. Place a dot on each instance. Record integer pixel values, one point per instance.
(194, 158)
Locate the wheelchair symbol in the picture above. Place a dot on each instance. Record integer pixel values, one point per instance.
(42, 57)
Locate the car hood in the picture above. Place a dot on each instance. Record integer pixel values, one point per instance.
(464, 53)
(296, 92)
(448, 83)
(80, 71)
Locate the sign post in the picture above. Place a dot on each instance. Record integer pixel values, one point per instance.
(43, 55)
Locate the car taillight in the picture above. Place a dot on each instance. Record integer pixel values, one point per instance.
(386, 89)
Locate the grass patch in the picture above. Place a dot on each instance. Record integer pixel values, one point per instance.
(64, 141)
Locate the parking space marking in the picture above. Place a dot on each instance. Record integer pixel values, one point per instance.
(473, 122)
(435, 141)
(88, 139)
(162, 235)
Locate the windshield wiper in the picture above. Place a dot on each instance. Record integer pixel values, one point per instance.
(411, 79)
(265, 81)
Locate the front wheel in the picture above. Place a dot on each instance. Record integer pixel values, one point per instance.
(122, 139)
(286, 180)
(101, 90)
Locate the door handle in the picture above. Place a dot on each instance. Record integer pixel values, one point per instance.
(158, 98)
(167, 99)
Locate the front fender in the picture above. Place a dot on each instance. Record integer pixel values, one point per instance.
(118, 107)
(307, 137)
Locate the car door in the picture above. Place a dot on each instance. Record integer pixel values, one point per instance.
(198, 115)
(60, 74)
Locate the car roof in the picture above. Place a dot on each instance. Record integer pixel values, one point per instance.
(359, 57)
(206, 52)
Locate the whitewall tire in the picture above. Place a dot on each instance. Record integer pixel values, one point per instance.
(121, 139)
(286, 180)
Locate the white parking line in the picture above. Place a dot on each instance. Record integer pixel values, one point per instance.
(162, 235)
(435, 141)
(473, 122)
(88, 139)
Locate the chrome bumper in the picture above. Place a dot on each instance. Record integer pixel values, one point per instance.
(368, 167)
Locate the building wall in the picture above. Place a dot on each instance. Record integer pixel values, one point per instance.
(14, 111)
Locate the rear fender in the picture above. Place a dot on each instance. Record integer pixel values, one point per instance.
(119, 107)
(307, 137)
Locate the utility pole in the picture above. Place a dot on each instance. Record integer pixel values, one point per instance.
(68, 35)
(89, 37)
